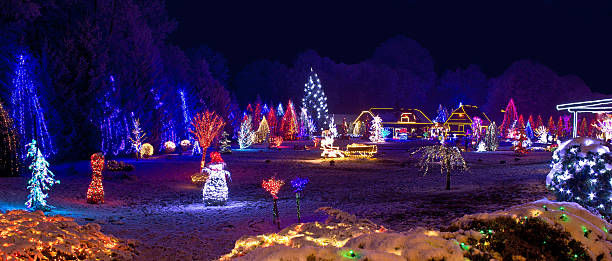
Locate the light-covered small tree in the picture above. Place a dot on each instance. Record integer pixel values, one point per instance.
(245, 135)
(41, 181)
(449, 159)
(491, 138)
(224, 143)
(263, 131)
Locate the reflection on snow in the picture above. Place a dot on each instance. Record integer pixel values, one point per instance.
(197, 207)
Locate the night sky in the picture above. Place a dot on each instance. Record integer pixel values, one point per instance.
(570, 38)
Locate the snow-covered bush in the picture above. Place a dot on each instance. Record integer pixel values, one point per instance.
(582, 172)
(34, 236)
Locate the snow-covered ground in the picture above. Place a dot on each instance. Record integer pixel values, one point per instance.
(159, 206)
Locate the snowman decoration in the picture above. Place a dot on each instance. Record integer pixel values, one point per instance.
(215, 189)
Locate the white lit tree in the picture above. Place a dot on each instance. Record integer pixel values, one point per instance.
(306, 123)
(491, 138)
(245, 135)
(315, 100)
(224, 143)
(376, 129)
(138, 137)
(41, 181)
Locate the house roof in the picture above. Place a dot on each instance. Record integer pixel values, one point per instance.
(392, 116)
(464, 115)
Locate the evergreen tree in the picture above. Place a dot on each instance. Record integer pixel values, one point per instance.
(41, 181)
(551, 125)
(289, 127)
(272, 122)
(224, 143)
(376, 130)
(491, 137)
(315, 101)
(263, 132)
(583, 130)
(442, 115)
(529, 130)
(9, 159)
(539, 122)
(521, 122)
(304, 123)
(510, 116)
(246, 135)
(26, 110)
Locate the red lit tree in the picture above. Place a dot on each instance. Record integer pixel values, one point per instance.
(510, 116)
(531, 122)
(272, 122)
(551, 125)
(289, 126)
(95, 192)
(206, 127)
(521, 122)
(560, 127)
(592, 129)
(539, 122)
(583, 130)
(256, 116)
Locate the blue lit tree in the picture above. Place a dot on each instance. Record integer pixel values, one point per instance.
(442, 115)
(26, 110)
(315, 101)
(113, 124)
(41, 181)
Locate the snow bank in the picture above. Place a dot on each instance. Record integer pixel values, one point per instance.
(345, 236)
(32, 235)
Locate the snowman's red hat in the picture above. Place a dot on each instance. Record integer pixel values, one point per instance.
(215, 158)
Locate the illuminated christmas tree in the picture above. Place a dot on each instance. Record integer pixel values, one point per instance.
(315, 101)
(529, 130)
(224, 143)
(539, 122)
(41, 181)
(560, 127)
(246, 136)
(215, 189)
(263, 132)
(257, 114)
(9, 159)
(491, 138)
(530, 121)
(279, 111)
(551, 126)
(376, 130)
(272, 122)
(305, 124)
(442, 115)
(510, 116)
(95, 192)
(26, 111)
(289, 125)
(583, 131)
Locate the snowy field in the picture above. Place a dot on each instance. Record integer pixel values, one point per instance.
(158, 205)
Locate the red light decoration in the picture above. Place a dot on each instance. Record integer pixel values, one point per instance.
(273, 185)
(206, 127)
(95, 192)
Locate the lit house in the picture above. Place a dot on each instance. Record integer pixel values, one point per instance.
(402, 123)
(461, 119)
